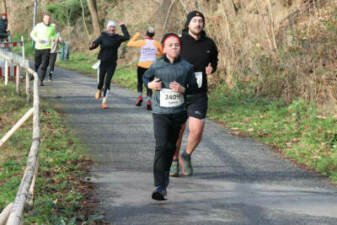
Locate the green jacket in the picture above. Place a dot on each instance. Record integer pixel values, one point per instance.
(44, 34)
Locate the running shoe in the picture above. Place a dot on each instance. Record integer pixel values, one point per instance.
(186, 164)
(41, 83)
(104, 105)
(174, 170)
(139, 101)
(149, 105)
(50, 76)
(159, 193)
(98, 94)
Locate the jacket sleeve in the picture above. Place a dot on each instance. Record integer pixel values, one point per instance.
(191, 81)
(134, 42)
(159, 47)
(33, 34)
(148, 76)
(214, 56)
(96, 43)
(126, 35)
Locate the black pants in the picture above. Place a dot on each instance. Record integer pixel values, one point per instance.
(166, 132)
(52, 60)
(108, 70)
(42, 59)
(140, 73)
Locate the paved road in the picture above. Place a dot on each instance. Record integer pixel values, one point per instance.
(237, 181)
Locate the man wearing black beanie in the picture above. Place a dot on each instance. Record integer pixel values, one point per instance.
(202, 53)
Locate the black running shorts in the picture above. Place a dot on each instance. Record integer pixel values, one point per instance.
(197, 106)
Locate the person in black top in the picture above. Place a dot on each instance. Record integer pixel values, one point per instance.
(201, 51)
(108, 55)
(4, 29)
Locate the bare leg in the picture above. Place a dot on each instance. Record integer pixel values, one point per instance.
(196, 127)
(179, 141)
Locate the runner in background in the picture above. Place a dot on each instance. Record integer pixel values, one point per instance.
(201, 51)
(53, 51)
(4, 28)
(42, 34)
(108, 55)
(149, 50)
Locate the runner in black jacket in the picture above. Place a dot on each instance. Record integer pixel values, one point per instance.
(108, 55)
(202, 53)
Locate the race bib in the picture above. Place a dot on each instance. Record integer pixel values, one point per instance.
(169, 98)
(198, 77)
(44, 42)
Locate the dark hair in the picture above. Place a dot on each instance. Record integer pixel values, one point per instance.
(150, 34)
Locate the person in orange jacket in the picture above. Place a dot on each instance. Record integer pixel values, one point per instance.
(149, 50)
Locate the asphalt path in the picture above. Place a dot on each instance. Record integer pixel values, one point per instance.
(236, 181)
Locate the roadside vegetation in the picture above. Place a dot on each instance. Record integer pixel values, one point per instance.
(63, 195)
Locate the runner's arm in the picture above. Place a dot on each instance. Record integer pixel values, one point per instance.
(33, 34)
(134, 42)
(159, 47)
(95, 43)
(191, 81)
(214, 57)
(126, 35)
(148, 76)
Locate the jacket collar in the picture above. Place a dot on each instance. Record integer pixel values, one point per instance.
(178, 59)
(185, 34)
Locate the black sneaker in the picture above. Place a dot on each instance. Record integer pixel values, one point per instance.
(41, 83)
(159, 193)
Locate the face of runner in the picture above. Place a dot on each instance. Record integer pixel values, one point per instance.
(4, 17)
(172, 47)
(111, 29)
(196, 25)
(46, 19)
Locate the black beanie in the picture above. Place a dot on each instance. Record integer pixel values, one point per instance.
(167, 35)
(193, 14)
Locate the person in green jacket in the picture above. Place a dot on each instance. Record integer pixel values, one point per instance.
(42, 34)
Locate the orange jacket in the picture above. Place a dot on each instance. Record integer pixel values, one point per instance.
(149, 50)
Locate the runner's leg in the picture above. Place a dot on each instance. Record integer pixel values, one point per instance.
(45, 61)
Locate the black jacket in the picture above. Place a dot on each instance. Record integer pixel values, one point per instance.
(109, 45)
(3, 25)
(199, 53)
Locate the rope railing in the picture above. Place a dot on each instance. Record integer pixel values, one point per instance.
(13, 213)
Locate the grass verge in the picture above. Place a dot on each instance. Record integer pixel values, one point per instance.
(296, 130)
(63, 196)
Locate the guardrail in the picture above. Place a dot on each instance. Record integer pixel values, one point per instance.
(13, 213)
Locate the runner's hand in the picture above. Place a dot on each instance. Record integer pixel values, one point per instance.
(155, 84)
(121, 23)
(176, 87)
(209, 69)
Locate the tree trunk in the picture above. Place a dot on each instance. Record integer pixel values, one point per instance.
(94, 16)
(4, 6)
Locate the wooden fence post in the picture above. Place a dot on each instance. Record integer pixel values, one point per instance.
(6, 72)
(17, 76)
(27, 86)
